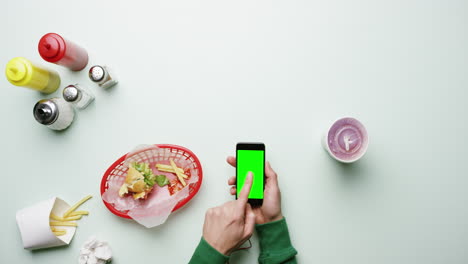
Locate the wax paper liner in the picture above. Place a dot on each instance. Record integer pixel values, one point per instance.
(157, 207)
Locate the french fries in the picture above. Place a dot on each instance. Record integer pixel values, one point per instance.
(75, 213)
(58, 232)
(67, 218)
(70, 218)
(61, 223)
(179, 175)
(73, 208)
(179, 172)
(168, 168)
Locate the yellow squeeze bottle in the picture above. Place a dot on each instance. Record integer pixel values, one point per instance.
(21, 72)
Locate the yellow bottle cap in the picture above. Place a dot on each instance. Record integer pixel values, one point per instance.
(18, 70)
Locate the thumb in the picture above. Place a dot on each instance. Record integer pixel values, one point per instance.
(270, 174)
(249, 224)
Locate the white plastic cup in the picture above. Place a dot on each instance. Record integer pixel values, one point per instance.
(346, 140)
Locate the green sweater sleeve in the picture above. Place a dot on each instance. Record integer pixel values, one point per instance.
(275, 244)
(205, 253)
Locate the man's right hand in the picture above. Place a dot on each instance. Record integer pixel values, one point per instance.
(228, 226)
(271, 209)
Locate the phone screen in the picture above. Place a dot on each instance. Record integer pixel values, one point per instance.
(254, 161)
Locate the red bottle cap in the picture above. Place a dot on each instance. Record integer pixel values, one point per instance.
(52, 47)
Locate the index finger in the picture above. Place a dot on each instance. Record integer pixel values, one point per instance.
(244, 193)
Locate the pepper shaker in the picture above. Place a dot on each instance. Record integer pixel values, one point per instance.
(54, 113)
(102, 76)
(77, 96)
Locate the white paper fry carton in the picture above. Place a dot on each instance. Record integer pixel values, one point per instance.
(33, 223)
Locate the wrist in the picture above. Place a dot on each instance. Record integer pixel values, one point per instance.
(218, 247)
(269, 219)
(275, 218)
(205, 253)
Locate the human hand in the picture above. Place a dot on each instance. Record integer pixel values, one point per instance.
(228, 226)
(271, 209)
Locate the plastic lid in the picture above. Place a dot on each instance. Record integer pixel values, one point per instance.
(17, 70)
(45, 112)
(51, 47)
(71, 93)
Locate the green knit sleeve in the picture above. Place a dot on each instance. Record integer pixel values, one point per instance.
(275, 243)
(205, 253)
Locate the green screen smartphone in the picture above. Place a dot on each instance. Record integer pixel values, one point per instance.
(251, 157)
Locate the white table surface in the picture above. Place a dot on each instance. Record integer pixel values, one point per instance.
(207, 74)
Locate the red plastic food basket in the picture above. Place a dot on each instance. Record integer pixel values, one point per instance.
(117, 169)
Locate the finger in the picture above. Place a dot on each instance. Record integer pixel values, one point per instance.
(244, 193)
(232, 190)
(249, 224)
(232, 180)
(271, 174)
(232, 161)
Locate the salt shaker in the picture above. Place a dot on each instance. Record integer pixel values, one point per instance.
(54, 113)
(77, 96)
(102, 76)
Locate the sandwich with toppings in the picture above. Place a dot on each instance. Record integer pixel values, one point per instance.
(140, 181)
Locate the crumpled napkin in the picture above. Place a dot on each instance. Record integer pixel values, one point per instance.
(95, 251)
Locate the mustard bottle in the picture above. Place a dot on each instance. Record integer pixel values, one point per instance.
(21, 72)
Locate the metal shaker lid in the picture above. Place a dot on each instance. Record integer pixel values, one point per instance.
(71, 93)
(45, 112)
(97, 73)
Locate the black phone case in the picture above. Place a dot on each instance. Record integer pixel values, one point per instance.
(252, 146)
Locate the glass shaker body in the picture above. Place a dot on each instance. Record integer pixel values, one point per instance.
(55, 113)
(77, 95)
(102, 76)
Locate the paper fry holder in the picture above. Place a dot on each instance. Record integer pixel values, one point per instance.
(34, 225)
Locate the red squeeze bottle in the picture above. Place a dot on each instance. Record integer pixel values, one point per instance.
(53, 48)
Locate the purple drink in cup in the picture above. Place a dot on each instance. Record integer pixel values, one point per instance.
(346, 140)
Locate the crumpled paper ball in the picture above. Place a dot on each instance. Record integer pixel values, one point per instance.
(95, 251)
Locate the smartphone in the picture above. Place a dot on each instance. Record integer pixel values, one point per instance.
(251, 157)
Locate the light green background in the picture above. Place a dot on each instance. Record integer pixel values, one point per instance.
(250, 161)
(185, 70)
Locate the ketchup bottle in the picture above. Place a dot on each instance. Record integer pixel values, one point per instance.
(54, 48)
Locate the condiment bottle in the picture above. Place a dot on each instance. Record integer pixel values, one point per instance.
(54, 113)
(77, 96)
(21, 72)
(102, 76)
(56, 49)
